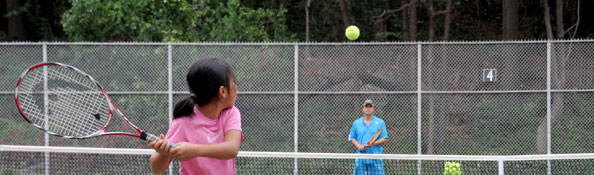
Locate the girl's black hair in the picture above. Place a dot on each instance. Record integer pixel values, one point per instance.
(204, 78)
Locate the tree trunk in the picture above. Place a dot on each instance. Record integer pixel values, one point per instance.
(547, 19)
(344, 13)
(413, 20)
(510, 30)
(307, 20)
(16, 25)
(574, 27)
(510, 19)
(404, 18)
(447, 21)
(557, 101)
(380, 28)
(559, 14)
(379, 24)
(431, 12)
(431, 126)
(434, 129)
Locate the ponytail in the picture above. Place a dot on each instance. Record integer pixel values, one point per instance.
(184, 107)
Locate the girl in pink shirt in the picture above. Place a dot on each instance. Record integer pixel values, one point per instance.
(206, 127)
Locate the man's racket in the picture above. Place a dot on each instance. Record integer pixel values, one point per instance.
(375, 136)
(66, 102)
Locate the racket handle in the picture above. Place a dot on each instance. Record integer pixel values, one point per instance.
(150, 137)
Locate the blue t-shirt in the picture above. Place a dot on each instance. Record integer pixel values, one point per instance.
(363, 133)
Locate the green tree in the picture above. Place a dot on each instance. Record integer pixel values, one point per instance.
(173, 21)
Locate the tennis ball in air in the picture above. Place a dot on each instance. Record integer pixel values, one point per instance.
(352, 32)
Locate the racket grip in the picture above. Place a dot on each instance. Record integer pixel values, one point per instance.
(150, 137)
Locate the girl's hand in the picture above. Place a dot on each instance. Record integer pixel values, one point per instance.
(161, 146)
(184, 151)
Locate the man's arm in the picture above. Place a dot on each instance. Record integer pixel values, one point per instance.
(359, 146)
(379, 142)
(352, 136)
(383, 137)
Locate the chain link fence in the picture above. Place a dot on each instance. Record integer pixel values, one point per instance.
(436, 98)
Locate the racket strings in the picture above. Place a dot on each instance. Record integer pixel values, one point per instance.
(28, 88)
(76, 105)
(72, 76)
(79, 106)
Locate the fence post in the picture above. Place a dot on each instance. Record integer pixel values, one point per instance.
(296, 104)
(549, 106)
(419, 105)
(170, 90)
(45, 109)
(501, 167)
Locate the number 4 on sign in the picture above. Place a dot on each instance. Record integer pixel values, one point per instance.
(489, 75)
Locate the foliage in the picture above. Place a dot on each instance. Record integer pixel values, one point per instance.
(282, 21)
(172, 21)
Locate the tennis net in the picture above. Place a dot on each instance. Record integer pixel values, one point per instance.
(15, 159)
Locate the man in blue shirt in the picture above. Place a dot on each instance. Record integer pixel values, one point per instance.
(362, 131)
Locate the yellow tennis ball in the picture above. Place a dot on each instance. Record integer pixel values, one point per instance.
(352, 32)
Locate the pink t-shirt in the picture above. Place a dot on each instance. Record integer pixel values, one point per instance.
(199, 129)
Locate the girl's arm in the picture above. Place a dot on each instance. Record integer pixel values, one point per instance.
(161, 158)
(160, 163)
(227, 149)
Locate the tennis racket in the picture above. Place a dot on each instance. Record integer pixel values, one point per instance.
(375, 136)
(63, 101)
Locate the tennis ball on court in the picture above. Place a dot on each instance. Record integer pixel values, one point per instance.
(452, 168)
(457, 170)
(352, 32)
(447, 168)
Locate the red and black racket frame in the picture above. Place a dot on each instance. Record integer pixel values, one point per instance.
(141, 134)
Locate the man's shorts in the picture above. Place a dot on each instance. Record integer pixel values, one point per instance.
(369, 167)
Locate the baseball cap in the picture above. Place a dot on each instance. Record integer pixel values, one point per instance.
(369, 102)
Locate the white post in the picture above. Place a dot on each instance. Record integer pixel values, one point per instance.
(45, 109)
(296, 105)
(548, 106)
(170, 91)
(419, 105)
(500, 165)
